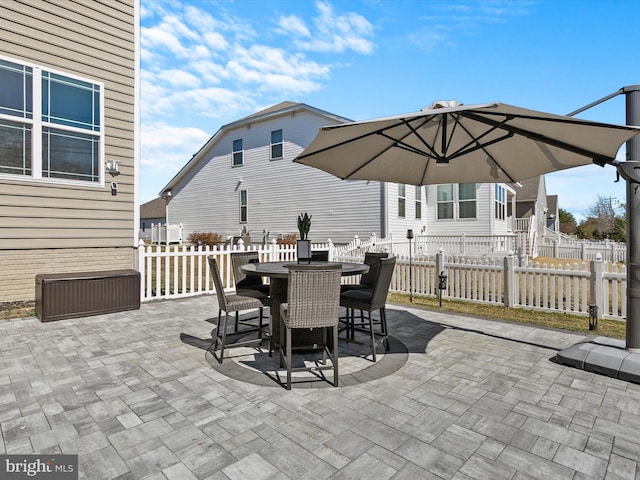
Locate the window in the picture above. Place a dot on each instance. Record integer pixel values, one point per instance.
(445, 201)
(237, 152)
(57, 136)
(467, 200)
(401, 200)
(500, 202)
(243, 206)
(276, 144)
(418, 202)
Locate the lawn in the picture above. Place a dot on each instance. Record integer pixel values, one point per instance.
(561, 321)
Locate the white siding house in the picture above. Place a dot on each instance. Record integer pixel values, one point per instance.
(243, 180)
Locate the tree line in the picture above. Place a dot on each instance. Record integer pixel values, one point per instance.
(603, 222)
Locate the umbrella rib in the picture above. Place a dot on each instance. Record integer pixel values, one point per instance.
(399, 143)
(595, 157)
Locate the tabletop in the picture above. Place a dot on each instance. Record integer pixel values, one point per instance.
(280, 270)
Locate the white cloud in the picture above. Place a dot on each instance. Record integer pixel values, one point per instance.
(294, 25)
(180, 78)
(332, 32)
(165, 146)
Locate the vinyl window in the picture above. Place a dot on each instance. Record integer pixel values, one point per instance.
(51, 124)
(445, 202)
(401, 200)
(500, 202)
(418, 203)
(237, 154)
(276, 144)
(467, 200)
(243, 206)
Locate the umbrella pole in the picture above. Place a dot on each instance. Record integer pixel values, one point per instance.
(633, 225)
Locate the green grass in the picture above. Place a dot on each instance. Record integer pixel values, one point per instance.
(557, 320)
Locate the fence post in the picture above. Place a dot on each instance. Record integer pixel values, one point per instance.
(509, 281)
(439, 268)
(595, 280)
(463, 243)
(331, 253)
(272, 251)
(555, 249)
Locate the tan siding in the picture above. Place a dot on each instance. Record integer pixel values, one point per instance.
(94, 40)
(83, 228)
(20, 267)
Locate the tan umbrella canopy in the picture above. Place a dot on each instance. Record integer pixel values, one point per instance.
(450, 142)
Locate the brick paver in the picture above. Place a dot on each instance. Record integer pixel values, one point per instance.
(135, 395)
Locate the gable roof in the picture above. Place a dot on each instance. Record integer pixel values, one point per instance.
(529, 190)
(155, 208)
(281, 108)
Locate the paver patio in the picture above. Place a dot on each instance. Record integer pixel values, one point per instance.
(136, 396)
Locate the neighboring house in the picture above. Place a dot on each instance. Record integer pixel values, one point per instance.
(532, 209)
(68, 101)
(553, 216)
(152, 212)
(470, 208)
(243, 179)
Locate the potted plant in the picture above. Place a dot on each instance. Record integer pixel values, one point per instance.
(303, 245)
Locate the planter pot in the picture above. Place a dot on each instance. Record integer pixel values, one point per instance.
(303, 251)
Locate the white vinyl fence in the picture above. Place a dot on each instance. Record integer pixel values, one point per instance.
(181, 271)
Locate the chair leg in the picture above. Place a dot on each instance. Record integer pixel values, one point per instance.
(289, 360)
(373, 337)
(235, 329)
(383, 327)
(282, 345)
(334, 359)
(221, 336)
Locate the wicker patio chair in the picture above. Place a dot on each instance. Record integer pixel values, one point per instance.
(233, 303)
(370, 301)
(367, 280)
(248, 285)
(320, 256)
(313, 302)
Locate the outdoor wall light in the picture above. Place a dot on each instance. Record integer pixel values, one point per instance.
(113, 167)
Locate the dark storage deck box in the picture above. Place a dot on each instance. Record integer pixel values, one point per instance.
(70, 295)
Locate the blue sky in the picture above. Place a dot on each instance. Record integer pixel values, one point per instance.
(207, 63)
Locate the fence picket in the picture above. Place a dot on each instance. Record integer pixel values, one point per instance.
(180, 271)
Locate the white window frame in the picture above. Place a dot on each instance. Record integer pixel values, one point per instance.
(442, 202)
(38, 125)
(465, 201)
(280, 143)
(402, 201)
(500, 210)
(244, 206)
(239, 153)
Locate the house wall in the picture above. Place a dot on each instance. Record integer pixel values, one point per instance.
(398, 225)
(485, 222)
(207, 198)
(57, 227)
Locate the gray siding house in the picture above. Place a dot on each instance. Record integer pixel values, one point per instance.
(244, 180)
(68, 100)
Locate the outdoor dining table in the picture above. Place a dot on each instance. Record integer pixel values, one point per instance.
(278, 274)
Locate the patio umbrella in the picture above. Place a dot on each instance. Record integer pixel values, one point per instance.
(485, 143)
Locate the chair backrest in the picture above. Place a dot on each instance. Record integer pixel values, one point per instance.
(238, 259)
(373, 260)
(383, 281)
(217, 282)
(320, 255)
(314, 295)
